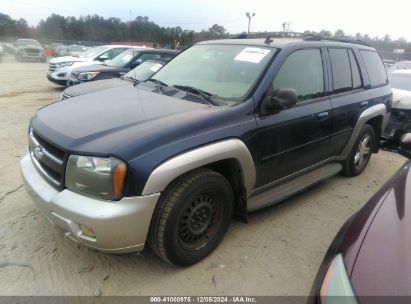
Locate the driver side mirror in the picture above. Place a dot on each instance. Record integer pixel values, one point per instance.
(103, 58)
(405, 146)
(282, 99)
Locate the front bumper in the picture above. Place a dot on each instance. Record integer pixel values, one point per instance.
(119, 226)
(59, 75)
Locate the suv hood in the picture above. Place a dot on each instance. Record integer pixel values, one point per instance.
(69, 58)
(31, 46)
(401, 99)
(94, 86)
(104, 122)
(99, 68)
(383, 264)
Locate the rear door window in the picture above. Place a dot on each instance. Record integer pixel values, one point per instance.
(375, 68)
(341, 70)
(303, 72)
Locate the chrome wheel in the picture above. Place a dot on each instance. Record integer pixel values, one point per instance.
(363, 152)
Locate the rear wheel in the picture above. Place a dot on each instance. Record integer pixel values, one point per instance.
(191, 217)
(361, 152)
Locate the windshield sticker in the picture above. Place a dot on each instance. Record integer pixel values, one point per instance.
(155, 67)
(127, 57)
(252, 54)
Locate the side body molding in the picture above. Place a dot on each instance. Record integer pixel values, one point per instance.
(371, 112)
(185, 162)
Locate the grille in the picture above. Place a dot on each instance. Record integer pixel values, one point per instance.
(32, 51)
(49, 160)
(52, 67)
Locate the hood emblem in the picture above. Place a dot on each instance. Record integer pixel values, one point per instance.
(38, 153)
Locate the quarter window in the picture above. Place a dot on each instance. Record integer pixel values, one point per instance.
(375, 68)
(303, 72)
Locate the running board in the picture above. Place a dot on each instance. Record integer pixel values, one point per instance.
(288, 188)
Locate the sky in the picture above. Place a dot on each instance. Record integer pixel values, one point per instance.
(353, 16)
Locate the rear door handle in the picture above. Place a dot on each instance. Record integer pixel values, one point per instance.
(364, 104)
(322, 115)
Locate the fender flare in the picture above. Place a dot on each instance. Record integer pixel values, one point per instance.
(174, 167)
(371, 112)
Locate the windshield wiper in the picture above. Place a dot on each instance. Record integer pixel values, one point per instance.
(205, 95)
(159, 84)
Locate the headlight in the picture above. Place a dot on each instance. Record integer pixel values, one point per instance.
(63, 64)
(96, 176)
(87, 75)
(336, 284)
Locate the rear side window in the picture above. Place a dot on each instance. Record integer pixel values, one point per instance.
(355, 71)
(340, 63)
(375, 68)
(303, 72)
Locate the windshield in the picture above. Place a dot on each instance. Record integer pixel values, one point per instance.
(76, 48)
(24, 42)
(228, 72)
(144, 70)
(401, 65)
(93, 52)
(122, 59)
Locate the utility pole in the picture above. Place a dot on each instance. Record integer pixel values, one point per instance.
(249, 16)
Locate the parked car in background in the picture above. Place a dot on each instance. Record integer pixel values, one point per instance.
(368, 260)
(401, 65)
(54, 46)
(135, 76)
(400, 118)
(60, 68)
(226, 127)
(9, 48)
(70, 50)
(119, 65)
(388, 63)
(29, 49)
(2, 52)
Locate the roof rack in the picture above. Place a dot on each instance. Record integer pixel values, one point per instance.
(242, 35)
(269, 36)
(317, 37)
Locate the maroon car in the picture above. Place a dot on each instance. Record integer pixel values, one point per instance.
(370, 258)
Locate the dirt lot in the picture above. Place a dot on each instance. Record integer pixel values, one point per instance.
(277, 253)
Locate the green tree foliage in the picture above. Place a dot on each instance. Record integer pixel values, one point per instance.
(96, 29)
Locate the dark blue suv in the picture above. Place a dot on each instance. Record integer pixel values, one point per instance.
(224, 128)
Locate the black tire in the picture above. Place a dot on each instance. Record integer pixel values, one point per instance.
(191, 217)
(359, 156)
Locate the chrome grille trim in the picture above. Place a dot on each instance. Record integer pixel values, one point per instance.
(45, 174)
(44, 150)
(52, 67)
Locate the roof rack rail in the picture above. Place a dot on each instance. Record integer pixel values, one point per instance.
(318, 37)
(242, 35)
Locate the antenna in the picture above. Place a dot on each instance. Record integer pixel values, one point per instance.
(132, 47)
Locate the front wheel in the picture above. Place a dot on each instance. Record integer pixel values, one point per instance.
(191, 217)
(361, 152)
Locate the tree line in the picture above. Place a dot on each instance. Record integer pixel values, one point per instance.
(94, 28)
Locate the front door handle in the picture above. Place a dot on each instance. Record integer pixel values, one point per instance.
(364, 104)
(322, 115)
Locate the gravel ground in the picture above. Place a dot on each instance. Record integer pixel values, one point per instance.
(277, 253)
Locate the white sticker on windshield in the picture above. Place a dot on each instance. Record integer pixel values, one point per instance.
(252, 54)
(156, 67)
(127, 57)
